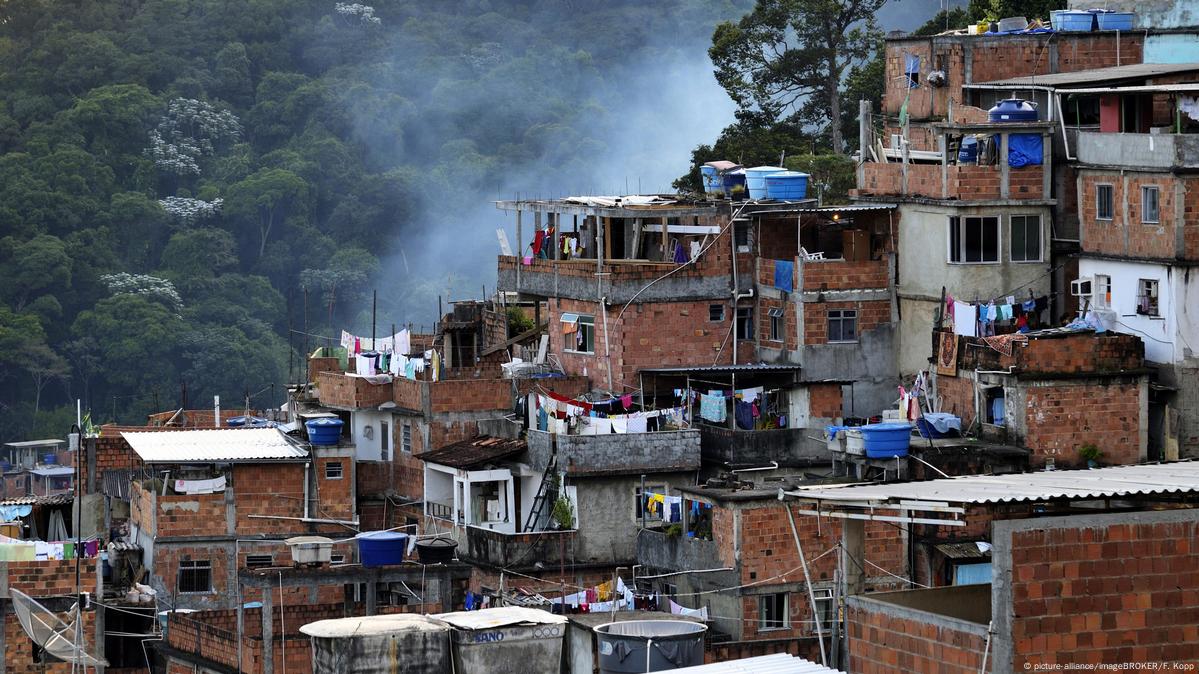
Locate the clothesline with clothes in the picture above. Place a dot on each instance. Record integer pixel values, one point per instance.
(400, 342)
(375, 364)
(572, 417)
(980, 318)
(753, 408)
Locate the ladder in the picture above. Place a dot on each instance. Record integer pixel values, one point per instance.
(543, 503)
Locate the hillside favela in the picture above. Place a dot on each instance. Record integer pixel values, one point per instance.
(569, 337)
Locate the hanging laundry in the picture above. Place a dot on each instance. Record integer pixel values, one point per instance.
(1005, 312)
(627, 401)
(637, 423)
(965, 319)
(745, 415)
(680, 255)
(538, 242)
(702, 613)
(695, 248)
(712, 408)
(784, 275)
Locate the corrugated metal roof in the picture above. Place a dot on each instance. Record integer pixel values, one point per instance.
(751, 367)
(1115, 73)
(475, 452)
(52, 471)
(850, 207)
(34, 443)
(779, 663)
(213, 445)
(1112, 482)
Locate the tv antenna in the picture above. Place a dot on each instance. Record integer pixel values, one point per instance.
(63, 640)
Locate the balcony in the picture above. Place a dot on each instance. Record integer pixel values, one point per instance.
(575, 279)
(788, 446)
(617, 454)
(519, 551)
(1149, 150)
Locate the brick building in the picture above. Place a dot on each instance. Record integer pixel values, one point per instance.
(221, 500)
(1075, 576)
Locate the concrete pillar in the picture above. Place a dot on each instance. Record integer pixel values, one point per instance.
(853, 560)
(268, 630)
(1004, 170)
(445, 588)
(372, 599)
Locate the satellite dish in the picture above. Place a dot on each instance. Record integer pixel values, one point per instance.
(63, 640)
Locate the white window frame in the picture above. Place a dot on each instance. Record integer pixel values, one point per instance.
(194, 565)
(778, 324)
(1142, 289)
(1102, 288)
(843, 315)
(334, 470)
(406, 438)
(580, 321)
(1025, 217)
(774, 624)
(1156, 191)
(1111, 201)
(961, 222)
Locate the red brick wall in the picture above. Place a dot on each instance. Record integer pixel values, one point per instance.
(335, 498)
(1129, 236)
(790, 336)
(469, 395)
(1119, 588)
(53, 577)
(18, 647)
(871, 315)
(957, 397)
(1109, 353)
(825, 401)
(845, 275)
(112, 452)
(882, 644)
(1060, 419)
(168, 557)
(342, 390)
(267, 489)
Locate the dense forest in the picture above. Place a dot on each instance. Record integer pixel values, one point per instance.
(177, 175)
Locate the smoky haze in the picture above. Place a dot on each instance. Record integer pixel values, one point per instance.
(561, 101)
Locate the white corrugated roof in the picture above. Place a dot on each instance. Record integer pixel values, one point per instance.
(212, 445)
(779, 663)
(1112, 482)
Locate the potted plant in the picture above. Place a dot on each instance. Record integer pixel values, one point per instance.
(563, 513)
(1091, 454)
(674, 531)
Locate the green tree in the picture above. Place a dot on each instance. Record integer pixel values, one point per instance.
(138, 340)
(196, 254)
(787, 52)
(265, 199)
(33, 267)
(832, 175)
(994, 10)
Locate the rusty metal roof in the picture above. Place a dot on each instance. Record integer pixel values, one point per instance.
(475, 452)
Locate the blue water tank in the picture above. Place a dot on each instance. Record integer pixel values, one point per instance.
(1013, 110)
(324, 431)
(968, 154)
(731, 180)
(381, 548)
(50, 459)
(1109, 20)
(886, 441)
(787, 185)
(1073, 21)
(755, 179)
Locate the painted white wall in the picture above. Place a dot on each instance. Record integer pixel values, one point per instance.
(1169, 338)
(369, 448)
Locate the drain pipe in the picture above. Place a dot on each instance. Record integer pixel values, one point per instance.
(649, 643)
(307, 496)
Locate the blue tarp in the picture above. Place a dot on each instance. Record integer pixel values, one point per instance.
(784, 273)
(1024, 149)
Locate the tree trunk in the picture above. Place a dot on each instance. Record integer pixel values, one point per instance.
(834, 104)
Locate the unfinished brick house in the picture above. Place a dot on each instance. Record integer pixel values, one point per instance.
(216, 501)
(1090, 566)
(1058, 391)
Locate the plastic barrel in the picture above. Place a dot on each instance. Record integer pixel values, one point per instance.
(1115, 20)
(885, 441)
(324, 431)
(381, 548)
(788, 185)
(755, 180)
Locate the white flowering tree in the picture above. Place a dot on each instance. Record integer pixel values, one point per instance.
(144, 285)
(357, 12)
(189, 130)
(187, 212)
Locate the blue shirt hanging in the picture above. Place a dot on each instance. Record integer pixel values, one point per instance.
(784, 274)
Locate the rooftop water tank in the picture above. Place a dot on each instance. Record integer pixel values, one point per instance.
(381, 548)
(506, 640)
(381, 644)
(650, 645)
(787, 185)
(713, 183)
(1111, 20)
(1073, 21)
(755, 180)
(324, 431)
(887, 441)
(1013, 110)
(734, 183)
(436, 550)
(968, 154)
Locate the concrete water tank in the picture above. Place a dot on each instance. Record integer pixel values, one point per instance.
(506, 640)
(404, 643)
(649, 645)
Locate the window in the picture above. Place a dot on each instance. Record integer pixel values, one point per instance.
(772, 612)
(259, 561)
(406, 438)
(741, 236)
(337, 559)
(715, 312)
(639, 504)
(1103, 291)
(333, 470)
(1026, 238)
(1103, 202)
(385, 440)
(578, 333)
(195, 576)
(670, 590)
(842, 325)
(1147, 297)
(824, 609)
(974, 239)
(911, 68)
(745, 322)
(778, 324)
(1149, 204)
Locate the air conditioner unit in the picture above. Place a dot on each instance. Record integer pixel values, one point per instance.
(1082, 287)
